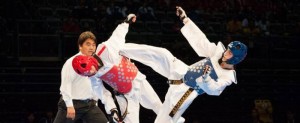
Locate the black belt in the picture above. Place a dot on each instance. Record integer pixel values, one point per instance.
(86, 101)
(120, 115)
(180, 102)
(175, 82)
(115, 93)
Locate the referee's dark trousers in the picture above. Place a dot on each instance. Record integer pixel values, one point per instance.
(86, 110)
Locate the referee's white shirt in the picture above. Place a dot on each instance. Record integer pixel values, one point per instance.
(73, 85)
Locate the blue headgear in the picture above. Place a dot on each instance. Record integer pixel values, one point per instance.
(239, 51)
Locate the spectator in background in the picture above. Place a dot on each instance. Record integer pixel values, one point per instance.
(176, 27)
(87, 25)
(254, 115)
(3, 29)
(124, 9)
(263, 25)
(234, 26)
(31, 118)
(47, 118)
(245, 22)
(264, 110)
(101, 26)
(146, 12)
(114, 12)
(290, 117)
(297, 32)
(71, 25)
(251, 29)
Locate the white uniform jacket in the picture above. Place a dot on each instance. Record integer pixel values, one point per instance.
(163, 62)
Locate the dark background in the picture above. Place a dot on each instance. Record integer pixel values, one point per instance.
(36, 37)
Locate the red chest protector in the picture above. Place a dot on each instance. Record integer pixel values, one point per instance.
(120, 76)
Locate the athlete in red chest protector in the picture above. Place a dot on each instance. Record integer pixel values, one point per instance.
(124, 77)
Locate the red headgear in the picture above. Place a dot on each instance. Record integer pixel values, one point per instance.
(83, 64)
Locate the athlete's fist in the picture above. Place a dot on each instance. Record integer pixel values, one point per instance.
(180, 12)
(131, 18)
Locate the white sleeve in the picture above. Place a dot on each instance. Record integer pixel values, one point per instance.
(117, 39)
(212, 87)
(197, 39)
(67, 77)
(159, 59)
(103, 94)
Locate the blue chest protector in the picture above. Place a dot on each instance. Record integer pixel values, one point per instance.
(196, 70)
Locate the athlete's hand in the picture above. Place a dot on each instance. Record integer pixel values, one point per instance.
(205, 76)
(71, 113)
(180, 12)
(131, 18)
(206, 71)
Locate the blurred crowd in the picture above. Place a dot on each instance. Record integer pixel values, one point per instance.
(249, 17)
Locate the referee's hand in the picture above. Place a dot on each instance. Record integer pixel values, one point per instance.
(71, 113)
